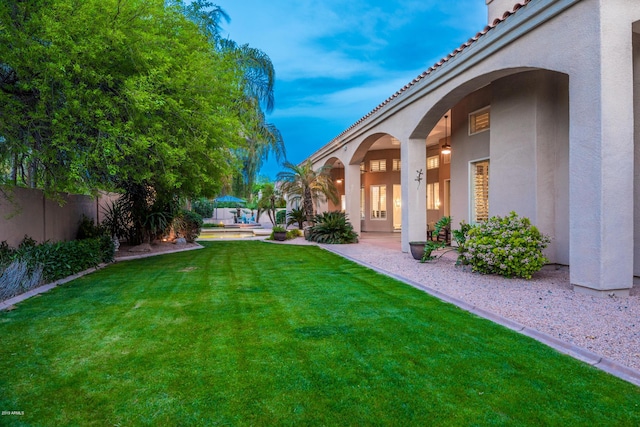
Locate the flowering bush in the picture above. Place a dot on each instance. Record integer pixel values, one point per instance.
(509, 246)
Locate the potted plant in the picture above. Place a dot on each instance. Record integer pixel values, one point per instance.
(279, 233)
(417, 248)
(421, 250)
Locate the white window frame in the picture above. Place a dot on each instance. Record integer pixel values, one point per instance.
(476, 113)
(433, 162)
(379, 165)
(472, 208)
(433, 196)
(378, 209)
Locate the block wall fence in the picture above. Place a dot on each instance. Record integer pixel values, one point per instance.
(26, 211)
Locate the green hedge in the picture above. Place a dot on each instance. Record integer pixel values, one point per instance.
(61, 259)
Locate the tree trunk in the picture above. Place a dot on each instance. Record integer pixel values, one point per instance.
(308, 206)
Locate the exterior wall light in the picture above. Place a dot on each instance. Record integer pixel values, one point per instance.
(446, 148)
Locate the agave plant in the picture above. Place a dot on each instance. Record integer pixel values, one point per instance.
(332, 227)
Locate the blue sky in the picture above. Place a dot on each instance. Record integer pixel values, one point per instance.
(336, 60)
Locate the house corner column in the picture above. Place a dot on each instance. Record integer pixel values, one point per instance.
(352, 195)
(414, 194)
(601, 160)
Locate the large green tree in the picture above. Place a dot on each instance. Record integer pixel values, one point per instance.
(96, 94)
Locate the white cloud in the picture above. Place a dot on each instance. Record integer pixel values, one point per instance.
(354, 102)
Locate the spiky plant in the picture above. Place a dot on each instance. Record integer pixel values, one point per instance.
(332, 227)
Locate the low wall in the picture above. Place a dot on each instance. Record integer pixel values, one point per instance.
(227, 215)
(25, 211)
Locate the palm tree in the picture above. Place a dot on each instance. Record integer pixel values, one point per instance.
(269, 199)
(302, 182)
(258, 80)
(261, 140)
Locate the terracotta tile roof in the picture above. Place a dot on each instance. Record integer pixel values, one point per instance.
(438, 64)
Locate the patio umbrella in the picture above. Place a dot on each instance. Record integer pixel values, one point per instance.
(228, 199)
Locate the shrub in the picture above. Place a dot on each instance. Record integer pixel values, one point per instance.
(509, 246)
(62, 259)
(460, 236)
(429, 247)
(32, 264)
(6, 254)
(87, 229)
(291, 234)
(281, 217)
(203, 207)
(16, 279)
(213, 225)
(188, 224)
(116, 220)
(332, 227)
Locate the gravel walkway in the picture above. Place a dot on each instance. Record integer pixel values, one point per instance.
(609, 326)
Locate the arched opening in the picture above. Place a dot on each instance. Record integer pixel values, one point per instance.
(338, 177)
(509, 143)
(379, 161)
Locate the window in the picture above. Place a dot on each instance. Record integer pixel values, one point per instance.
(378, 165)
(480, 191)
(446, 158)
(378, 202)
(361, 202)
(396, 164)
(362, 167)
(433, 162)
(479, 121)
(433, 195)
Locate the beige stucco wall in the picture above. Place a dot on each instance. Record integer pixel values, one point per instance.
(28, 212)
(530, 129)
(465, 149)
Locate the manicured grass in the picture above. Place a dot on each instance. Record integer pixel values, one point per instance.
(250, 333)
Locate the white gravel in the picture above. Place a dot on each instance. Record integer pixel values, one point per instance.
(608, 326)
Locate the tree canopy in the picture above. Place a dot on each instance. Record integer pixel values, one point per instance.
(109, 94)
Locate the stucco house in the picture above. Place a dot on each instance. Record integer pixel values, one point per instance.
(541, 112)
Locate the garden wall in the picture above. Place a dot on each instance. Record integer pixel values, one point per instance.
(25, 211)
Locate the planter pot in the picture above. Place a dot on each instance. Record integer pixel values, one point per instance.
(417, 249)
(280, 236)
(307, 233)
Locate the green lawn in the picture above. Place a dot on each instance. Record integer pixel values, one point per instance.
(249, 333)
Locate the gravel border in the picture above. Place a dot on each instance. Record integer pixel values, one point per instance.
(601, 331)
